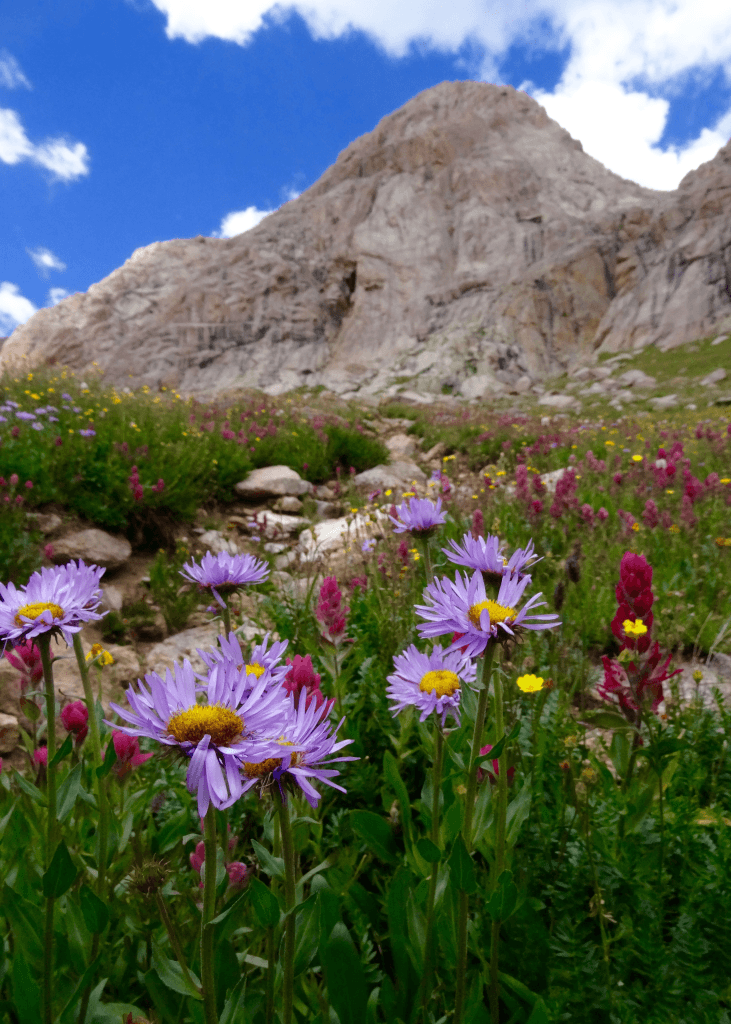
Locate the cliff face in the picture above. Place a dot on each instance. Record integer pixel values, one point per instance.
(467, 240)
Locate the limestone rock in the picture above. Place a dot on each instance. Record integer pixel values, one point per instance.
(335, 535)
(288, 504)
(558, 401)
(399, 475)
(47, 522)
(95, 547)
(185, 644)
(479, 385)
(401, 446)
(272, 482)
(9, 733)
(636, 378)
(438, 451)
(720, 339)
(116, 677)
(714, 377)
(112, 598)
(664, 402)
(218, 543)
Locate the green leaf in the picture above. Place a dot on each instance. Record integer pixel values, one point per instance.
(233, 1011)
(171, 974)
(26, 923)
(235, 904)
(345, 980)
(61, 873)
(68, 792)
(539, 1014)
(461, 868)
(372, 1006)
(497, 750)
(518, 811)
(266, 906)
(376, 833)
(306, 934)
(110, 759)
(67, 1014)
(502, 903)
(5, 821)
(273, 866)
(26, 992)
(96, 913)
(30, 709)
(429, 850)
(394, 780)
(29, 789)
(63, 751)
(606, 720)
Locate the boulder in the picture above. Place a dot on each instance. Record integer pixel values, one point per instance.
(333, 536)
(663, 402)
(115, 678)
(272, 482)
(399, 475)
(637, 379)
(95, 547)
(720, 339)
(479, 385)
(437, 451)
(217, 542)
(558, 401)
(112, 598)
(714, 377)
(401, 446)
(47, 522)
(288, 504)
(185, 645)
(9, 733)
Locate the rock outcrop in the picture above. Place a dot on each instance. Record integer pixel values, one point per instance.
(466, 243)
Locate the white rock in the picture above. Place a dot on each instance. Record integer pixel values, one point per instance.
(714, 377)
(720, 339)
(95, 547)
(9, 733)
(272, 482)
(288, 504)
(218, 543)
(558, 401)
(397, 475)
(479, 385)
(333, 535)
(275, 523)
(112, 598)
(664, 402)
(637, 379)
(549, 480)
(184, 645)
(401, 446)
(124, 671)
(437, 452)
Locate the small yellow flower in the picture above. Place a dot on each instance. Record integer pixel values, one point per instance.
(636, 628)
(636, 527)
(674, 528)
(609, 444)
(409, 494)
(637, 458)
(725, 480)
(500, 472)
(669, 490)
(697, 675)
(98, 653)
(723, 542)
(387, 493)
(529, 683)
(462, 790)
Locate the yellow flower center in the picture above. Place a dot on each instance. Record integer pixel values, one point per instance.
(636, 628)
(439, 681)
(256, 770)
(34, 611)
(253, 669)
(497, 612)
(530, 683)
(221, 724)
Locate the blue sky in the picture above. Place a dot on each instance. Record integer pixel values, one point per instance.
(124, 122)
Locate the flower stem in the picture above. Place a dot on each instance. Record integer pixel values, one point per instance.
(502, 809)
(209, 912)
(436, 793)
(269, 1013)
(96, 747)
(174, 939)
(44, 645)
(289, 899)
(428, 567)
(484, 670)
(226, 615)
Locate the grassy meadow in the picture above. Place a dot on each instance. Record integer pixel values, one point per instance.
(592, 856)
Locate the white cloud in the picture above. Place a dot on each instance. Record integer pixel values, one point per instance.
(11, 73)
(55, 295)
(625, 55)
(66, 161)
(45, 260)
(14, 308)
(241, 220)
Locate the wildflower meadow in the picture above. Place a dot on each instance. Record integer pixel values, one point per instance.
(454, 773)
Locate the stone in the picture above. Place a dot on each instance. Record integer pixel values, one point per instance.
(185, 645)
(9, 733)
(720, 339)
(95, 547)
(714, 377)
(337, 535)
(218, 543)
(124, 671)
(288, 504)
(399, 475)
(549, 480)
(274, 524)
(636, 379)
(112, 598)
(722, 400)
(401, 446)
(479, 385)
(523, 384)
(721, 664)
(275, 548)
(326, 509)
(323, 492)
(664, 402)
(558, 401)
(272, 482)
(47, 522)
(437, 451)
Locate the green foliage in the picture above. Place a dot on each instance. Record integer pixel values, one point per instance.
(176, 599)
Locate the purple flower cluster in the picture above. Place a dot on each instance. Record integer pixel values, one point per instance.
(418, 516)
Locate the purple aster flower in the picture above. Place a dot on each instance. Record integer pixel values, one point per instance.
(486, 554)
(67, 396)
(305, 745)
(86, 433)
(225, 573)
(53, 419)
(37, 426)
(215, 735)
(41, 410)
(419, 516)
(429, 682)
(264, 661)
(21, 414)
(368, 545)
(3, 419)
(59, 599)
(463, 607)
(12, 404)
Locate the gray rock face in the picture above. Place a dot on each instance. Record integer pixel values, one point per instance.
(468, 233)
(467, 240)
(272, 482)
(95, 547)
(397, 475)
(714, 377)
